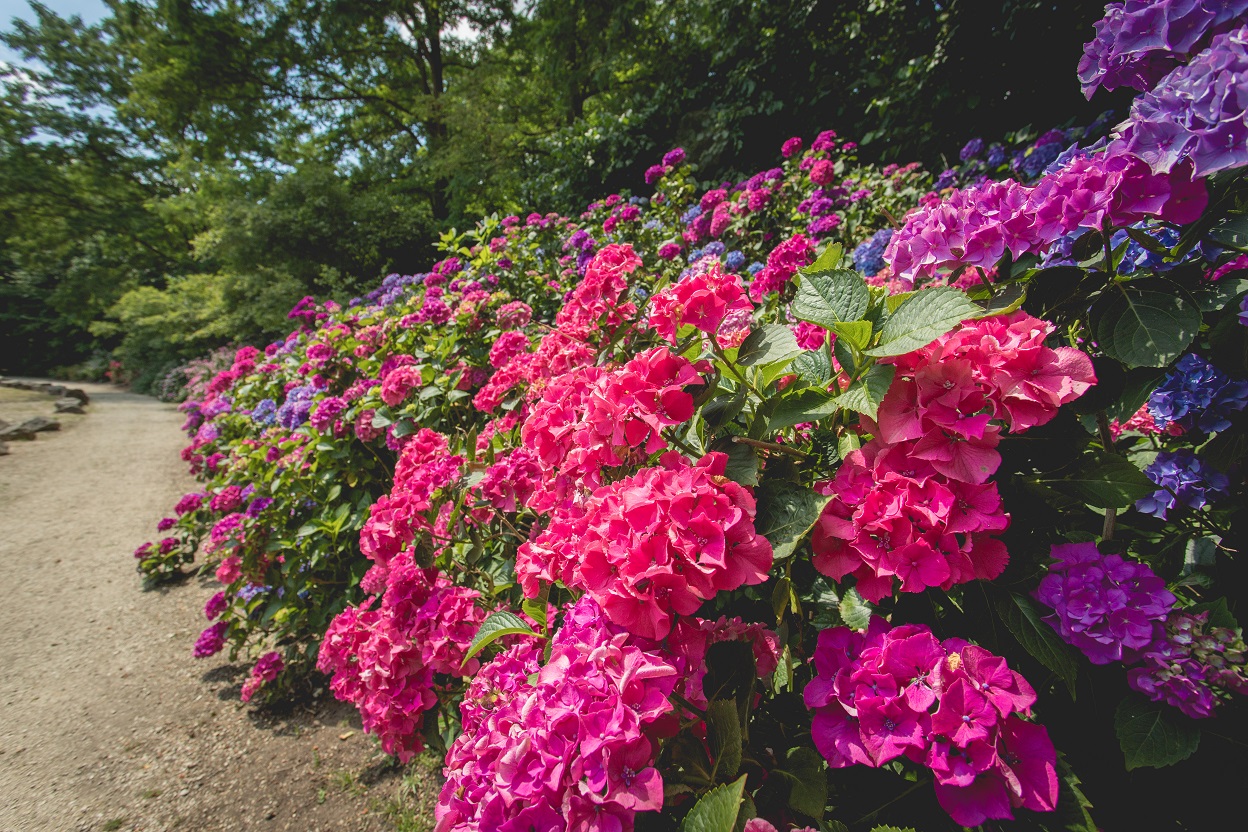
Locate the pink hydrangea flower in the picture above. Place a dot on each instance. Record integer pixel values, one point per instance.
(703, 299)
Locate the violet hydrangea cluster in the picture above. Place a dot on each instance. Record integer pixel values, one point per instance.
(1183, 478)
(1137, 42)
(1196, 114)
(1197, 396)
(951, 706)
(1194, 666)
(1109, 607)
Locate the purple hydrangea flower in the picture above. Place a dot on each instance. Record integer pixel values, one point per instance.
(294, 411)
(265, 412)
(1139, 41)
(1185, 479)
(1197, 396)
(674, 157)
(1191, 664)
(215, 606)
(1108, 607)
(971, 149)
(257, 506)
(1196, 113)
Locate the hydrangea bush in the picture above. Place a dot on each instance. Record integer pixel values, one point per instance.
(830, 498)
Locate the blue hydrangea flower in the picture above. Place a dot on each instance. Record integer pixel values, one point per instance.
(1185, 479)
(691, 215)
(754, 268)
(869, 255)
(1136, 257)
(734, 260)
(251, 591)
(294, 411)
(971, 149)
(1197, 396)
(996, 156)
(714, 249)
(264, 413)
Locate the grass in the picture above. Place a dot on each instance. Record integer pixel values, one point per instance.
(411, 808)
(113, 825)
(348, 781)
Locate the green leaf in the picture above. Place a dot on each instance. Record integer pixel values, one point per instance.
(717, 810)
(742, 464)
(1073, 806)
(499, 624)
(1147, 327)
(813, 368)
(808, 791)
(1113, 484)
(867, 391)
(721, 410)
(855, 612)
(1022, 619)
(1212, 297)
(922, 318)
(786, 513)
(1219, 613)
(1153, 735)
(1231, 231)
(829, 258)
(809, 405)
(724, 732)
(535, 608)
(827, 298)
(857, 333)
(892, 829)
(768, 345)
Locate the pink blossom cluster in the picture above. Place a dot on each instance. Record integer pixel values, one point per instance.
(652, 545)
(782, 263)
(382, 657)
(596, 299)
(211, 640)
(266, 669)
(707, 298)
(915, 503)
(976, 226)
(951, 706)
(574, 748)
(227, 499)
(425, 466)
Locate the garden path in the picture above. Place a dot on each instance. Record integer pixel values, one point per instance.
(106, 721)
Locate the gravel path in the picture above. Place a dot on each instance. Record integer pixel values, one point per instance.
(106, 721)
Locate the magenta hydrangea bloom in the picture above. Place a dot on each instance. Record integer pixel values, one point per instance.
(1139, 41)
(211, 640)
(564, 746)
(1196, 114)
(266, 670)
(707, 298)
(215, 605)
(1108, 607)
(326, 413)
(899, 692)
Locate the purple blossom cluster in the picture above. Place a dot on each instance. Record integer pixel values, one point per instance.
(951, 705)
(1108, 607)
(869, 255)
(1197, 396)
(1193, 665)
(1139, 41)
(1183, 479)
(1196, 113)
(211, 640)
(298, 405)
(265, 412)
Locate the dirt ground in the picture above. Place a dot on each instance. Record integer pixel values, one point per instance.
(106, 720)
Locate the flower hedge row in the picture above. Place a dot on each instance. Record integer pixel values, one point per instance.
(683, 511)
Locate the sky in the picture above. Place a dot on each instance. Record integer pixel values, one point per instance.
(89, 10)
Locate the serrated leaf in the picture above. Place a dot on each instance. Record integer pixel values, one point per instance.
(809, 405)
(829, 297)
(381, 421)
(535, 608)
(1148, 328)
(808, 792)
(767, 345)
(721, 410)
(922, 318)
(1022, 619)
(1153, 735)
(1113, 484)
(1219, 613)
(892, 829)
(786, 513)
(813, 367)
(717, 810)
(866, 392)
(499, 624)
(854, 610)
(1073, 806)
(724, 732)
